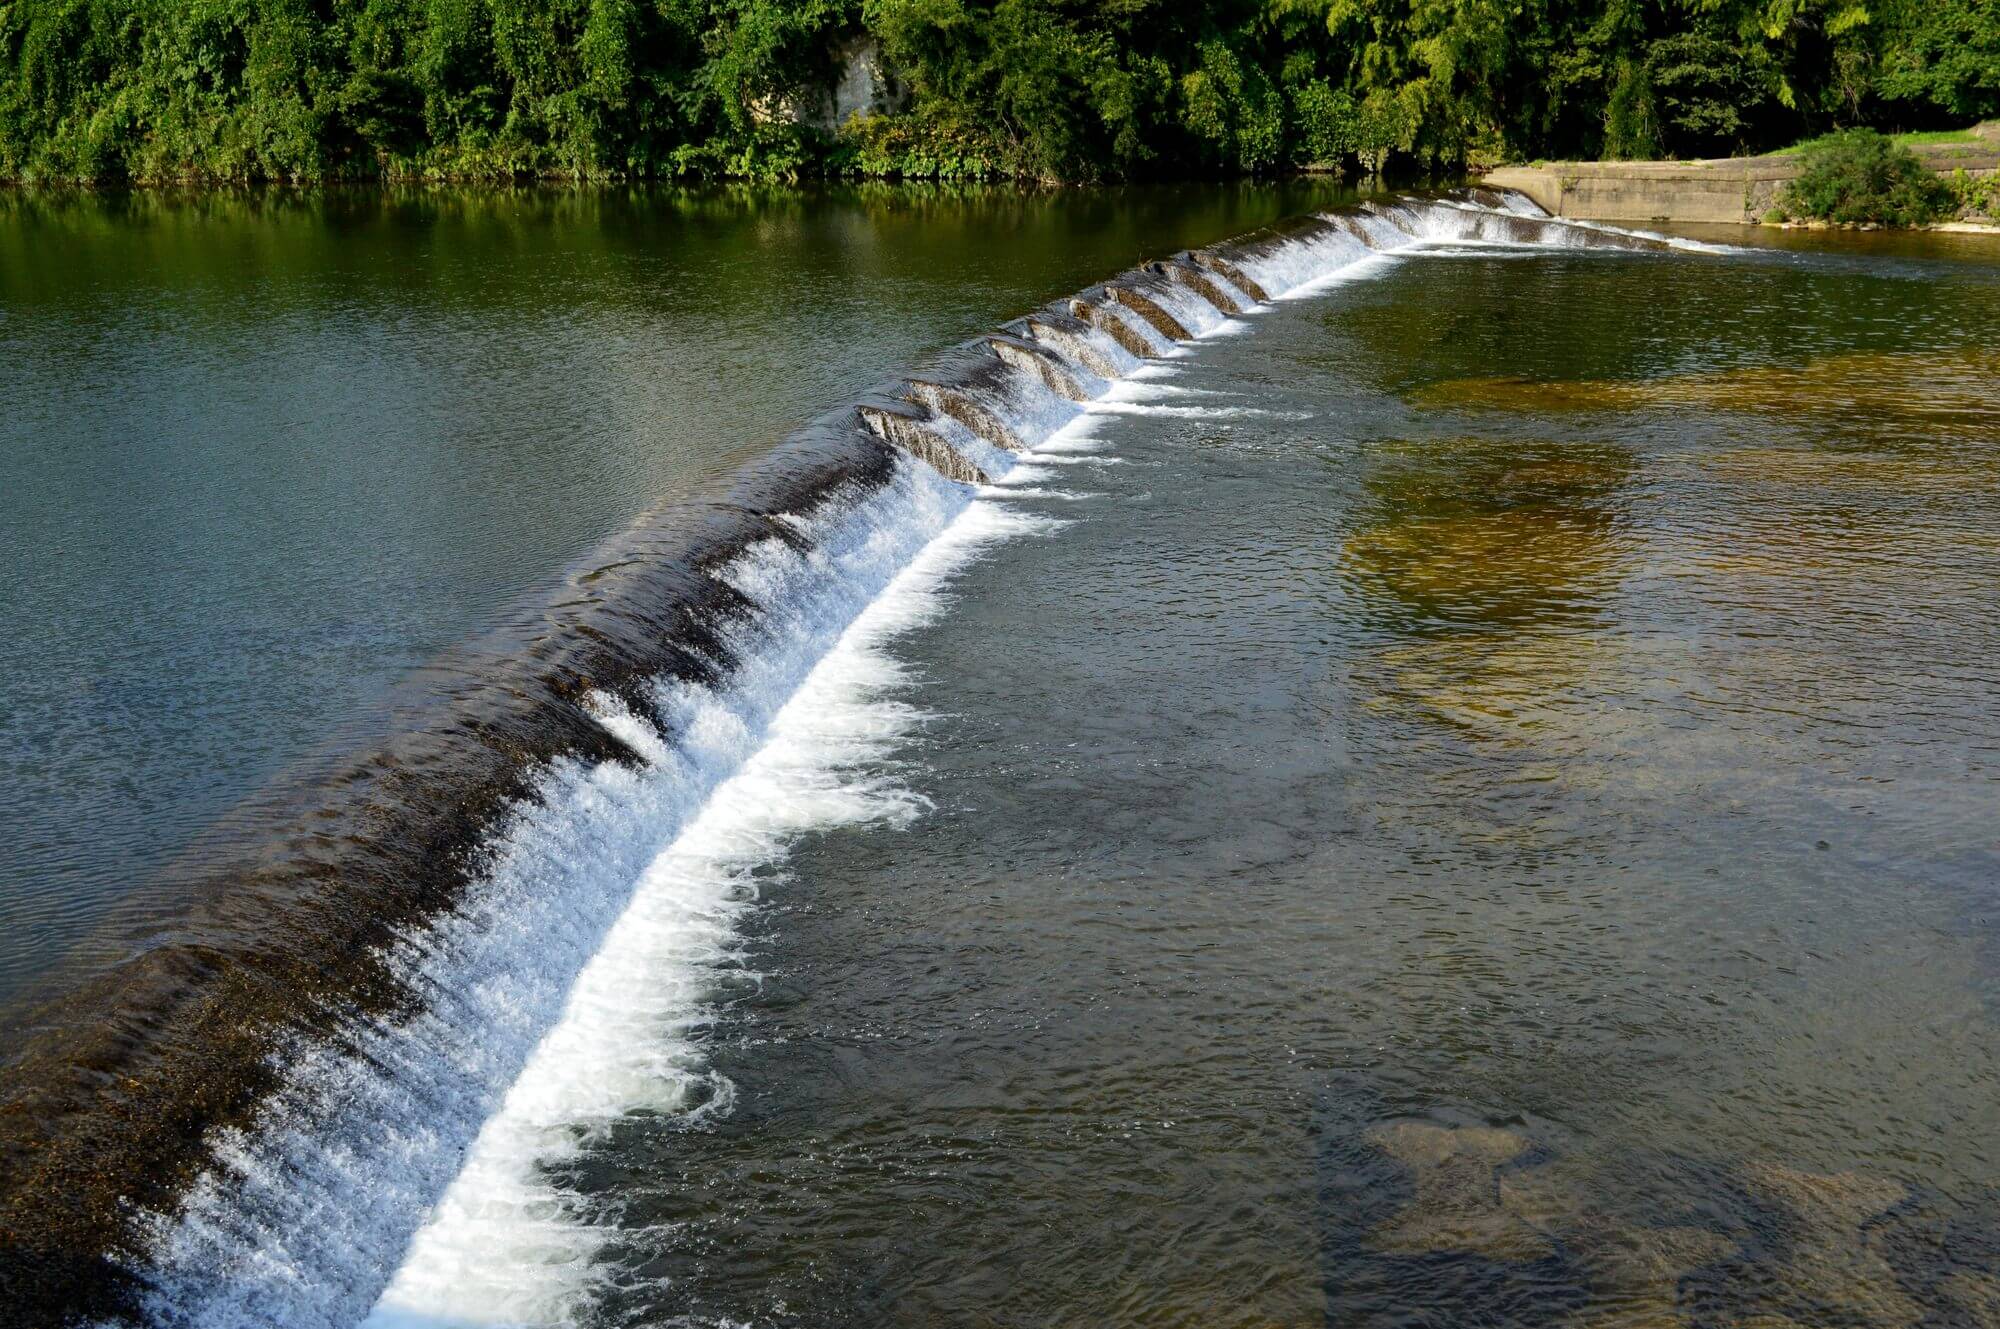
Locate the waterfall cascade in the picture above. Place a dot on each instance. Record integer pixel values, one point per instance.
(330, 1094)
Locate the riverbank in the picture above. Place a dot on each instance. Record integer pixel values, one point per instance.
(1724, 189)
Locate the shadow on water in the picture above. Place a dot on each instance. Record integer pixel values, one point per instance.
(1446, 1219)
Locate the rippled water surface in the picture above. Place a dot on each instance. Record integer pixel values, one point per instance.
(261, 455)
(1488, 816)
(1468, 796)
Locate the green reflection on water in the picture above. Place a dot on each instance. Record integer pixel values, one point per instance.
(264, 452)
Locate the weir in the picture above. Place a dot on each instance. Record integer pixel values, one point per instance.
(1148, 307)
(916, 432)
(1215, 289)
(1062, 379)
(253, 1116)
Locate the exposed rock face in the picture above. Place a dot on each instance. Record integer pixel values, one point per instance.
(1236, 275)
(1043, 364)
(1113, 327)
(910, 433)
(1189, 274)
(863, 85)
(1066, 337)
(968, 410)
(866, 85)
(1151, 310)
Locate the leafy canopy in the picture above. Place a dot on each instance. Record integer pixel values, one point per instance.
(103, 90)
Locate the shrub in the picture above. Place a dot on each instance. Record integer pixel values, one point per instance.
(910, 147)
(1859, 176)
(1977, 195)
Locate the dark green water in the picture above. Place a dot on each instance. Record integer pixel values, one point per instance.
(263, 454)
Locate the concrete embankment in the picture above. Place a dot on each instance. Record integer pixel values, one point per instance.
(1723, 189)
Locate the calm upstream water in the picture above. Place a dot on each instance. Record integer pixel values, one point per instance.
(1466, 794)
(262, 455)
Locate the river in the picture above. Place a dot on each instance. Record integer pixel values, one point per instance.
(1460, 791)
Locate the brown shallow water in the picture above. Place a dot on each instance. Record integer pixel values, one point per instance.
(1510, 839)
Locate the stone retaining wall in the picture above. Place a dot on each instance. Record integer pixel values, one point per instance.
(1723, 189)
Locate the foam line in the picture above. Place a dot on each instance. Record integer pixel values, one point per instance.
(1190, 412)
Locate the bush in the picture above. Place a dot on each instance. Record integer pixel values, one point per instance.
(1976, 195)
(908, 147)
(1859, 176)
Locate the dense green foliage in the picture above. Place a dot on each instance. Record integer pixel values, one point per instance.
(1053, 89)
(1860, 176)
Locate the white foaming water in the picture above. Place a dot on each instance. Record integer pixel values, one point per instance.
(1028, 405)
(1482, 249)
(993, 460)
(1310, 264)
(1035, 491)
(1289, 268)
(1025, 473)
(1188, 307)
(1229, 327)
(298, 1222)
(1147, 334)
(1190, 412)
(1672, 241)
(1365, 266)
(1520, 204)
(1087, 346)
(505, 1246)
(1148, 389)
(1078, 436)
(1383, 228)
(570, 987)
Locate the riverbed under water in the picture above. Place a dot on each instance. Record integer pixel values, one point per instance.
(1469, 795)
(1493, 820)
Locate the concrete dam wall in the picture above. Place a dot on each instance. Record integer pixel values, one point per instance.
(1722, 189)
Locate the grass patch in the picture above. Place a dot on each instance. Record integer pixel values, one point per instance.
(1915, 139)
